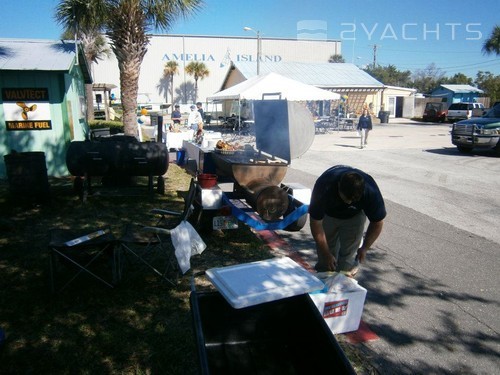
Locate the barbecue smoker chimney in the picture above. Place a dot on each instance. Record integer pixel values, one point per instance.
(284, 131)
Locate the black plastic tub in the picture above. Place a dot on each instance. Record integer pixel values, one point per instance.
(287, 336)
(27, 175)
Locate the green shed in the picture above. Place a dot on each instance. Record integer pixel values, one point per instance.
(42, 103)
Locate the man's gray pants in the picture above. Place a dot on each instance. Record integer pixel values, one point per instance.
(344, 238)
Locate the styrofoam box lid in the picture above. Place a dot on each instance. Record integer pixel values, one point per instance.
(253, 283)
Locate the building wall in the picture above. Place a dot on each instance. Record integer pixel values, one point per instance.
(216, 53)
(63, 110)
(390, 97)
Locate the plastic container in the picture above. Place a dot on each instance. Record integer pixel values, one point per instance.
(207, 180)
(287, 336)
(27, 175)
(181, 156)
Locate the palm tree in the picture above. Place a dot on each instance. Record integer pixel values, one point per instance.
(170, 69)
(126, 23)
(492, 44)
(336, 59)
(199, 70)
(95, 48)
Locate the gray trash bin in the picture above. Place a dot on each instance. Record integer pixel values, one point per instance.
(384, 117)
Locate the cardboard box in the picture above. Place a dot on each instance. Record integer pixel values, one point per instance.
(341, 303)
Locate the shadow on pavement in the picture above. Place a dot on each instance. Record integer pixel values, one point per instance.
(452, 151)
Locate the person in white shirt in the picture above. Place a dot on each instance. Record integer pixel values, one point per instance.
(194, 119)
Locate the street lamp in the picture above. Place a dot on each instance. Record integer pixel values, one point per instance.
(258, 46)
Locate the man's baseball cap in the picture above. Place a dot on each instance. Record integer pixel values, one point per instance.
(193, 107)
(177, 106)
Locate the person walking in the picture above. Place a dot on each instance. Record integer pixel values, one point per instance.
(364, 126)
(342, 199)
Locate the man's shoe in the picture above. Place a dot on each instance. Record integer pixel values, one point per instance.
(353, 272)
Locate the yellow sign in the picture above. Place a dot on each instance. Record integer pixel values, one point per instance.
(25, 94)
(26, 109)
(29, 125)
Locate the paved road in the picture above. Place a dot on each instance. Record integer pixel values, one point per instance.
(432, 277)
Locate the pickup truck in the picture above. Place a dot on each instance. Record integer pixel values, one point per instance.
(480, 132)
(463, 111)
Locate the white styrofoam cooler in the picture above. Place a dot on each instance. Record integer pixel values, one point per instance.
(341, 303)
(211, 198)
(253, 283)
(299, 192)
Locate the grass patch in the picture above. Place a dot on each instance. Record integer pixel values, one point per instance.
(142, 326)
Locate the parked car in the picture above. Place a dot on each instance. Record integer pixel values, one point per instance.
(480, 132)
(435, 112)
(463, 111)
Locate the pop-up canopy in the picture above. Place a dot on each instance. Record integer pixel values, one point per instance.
(272, 83)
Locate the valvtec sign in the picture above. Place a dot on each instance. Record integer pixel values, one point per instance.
(26, 109)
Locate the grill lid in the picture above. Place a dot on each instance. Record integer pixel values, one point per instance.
(283, 129)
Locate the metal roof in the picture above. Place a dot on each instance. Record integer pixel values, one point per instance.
(462, 89)
(42, 55)
(324, 75)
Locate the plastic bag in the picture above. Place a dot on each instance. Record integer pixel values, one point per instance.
(187, 242)
(339, 282)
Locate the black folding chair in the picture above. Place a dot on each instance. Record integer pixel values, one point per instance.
(151, 245)
(90, 252)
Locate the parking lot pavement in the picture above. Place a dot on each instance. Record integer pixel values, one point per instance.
(429, 275)
(394, 135)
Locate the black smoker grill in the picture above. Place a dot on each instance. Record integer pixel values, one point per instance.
(283, 131)
(117, 158)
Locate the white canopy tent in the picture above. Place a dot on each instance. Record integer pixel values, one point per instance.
(273, 83)
(272, 86)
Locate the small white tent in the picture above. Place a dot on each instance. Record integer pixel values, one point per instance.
(272, 83)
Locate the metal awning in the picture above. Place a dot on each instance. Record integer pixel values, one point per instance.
(103, 86)
(106, 88)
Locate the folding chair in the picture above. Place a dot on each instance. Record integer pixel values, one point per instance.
(149, 244)
(81, 252)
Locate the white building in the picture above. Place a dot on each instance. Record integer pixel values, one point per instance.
(216, 53)
(231, 60)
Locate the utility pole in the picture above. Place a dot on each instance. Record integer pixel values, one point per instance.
(374, 56)
(257, 32)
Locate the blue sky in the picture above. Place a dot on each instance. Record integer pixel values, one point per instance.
(408, 34)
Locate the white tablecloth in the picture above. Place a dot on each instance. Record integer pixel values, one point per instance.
(174, 140)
